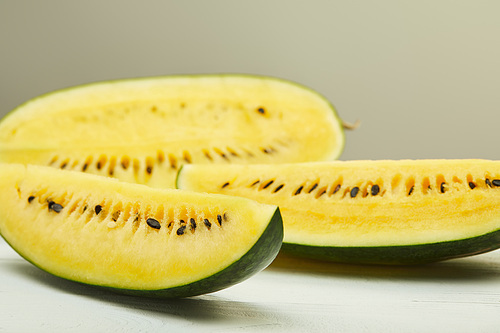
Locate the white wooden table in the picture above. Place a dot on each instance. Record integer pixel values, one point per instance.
(291, 295)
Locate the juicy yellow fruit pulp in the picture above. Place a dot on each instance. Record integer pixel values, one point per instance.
(98, 230)
(142, 130)
(366, 203)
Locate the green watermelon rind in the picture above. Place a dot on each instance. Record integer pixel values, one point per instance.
(398, 254)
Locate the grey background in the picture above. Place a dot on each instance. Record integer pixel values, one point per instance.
(422, 76)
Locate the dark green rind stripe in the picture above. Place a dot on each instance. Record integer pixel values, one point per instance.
(400, 254)
(255, 260)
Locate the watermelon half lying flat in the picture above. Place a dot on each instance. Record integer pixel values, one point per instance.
(143, 130)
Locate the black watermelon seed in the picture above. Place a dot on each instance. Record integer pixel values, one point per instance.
(441, 187)
(207, 155)
(31, 198)
(85, 166)
(187, 157)
(298, 190)
(180, 231)
(98, 209)
(255, 183)
(173, 162)
(193, 223)
(472, 185)
(261, 110)
(220, 153)
(411, 190)
(55, 207)
(487, 181)
(313, 188)
(207, 223)
(149, 170)
(278, 188)
(153, 223)
(219, 219)
(337, 188)
(224, 216)
(354, 192)
(496, 182)
(225, 185)
(268, 184)
(54, 159)
(321, 193)
(375, 189)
